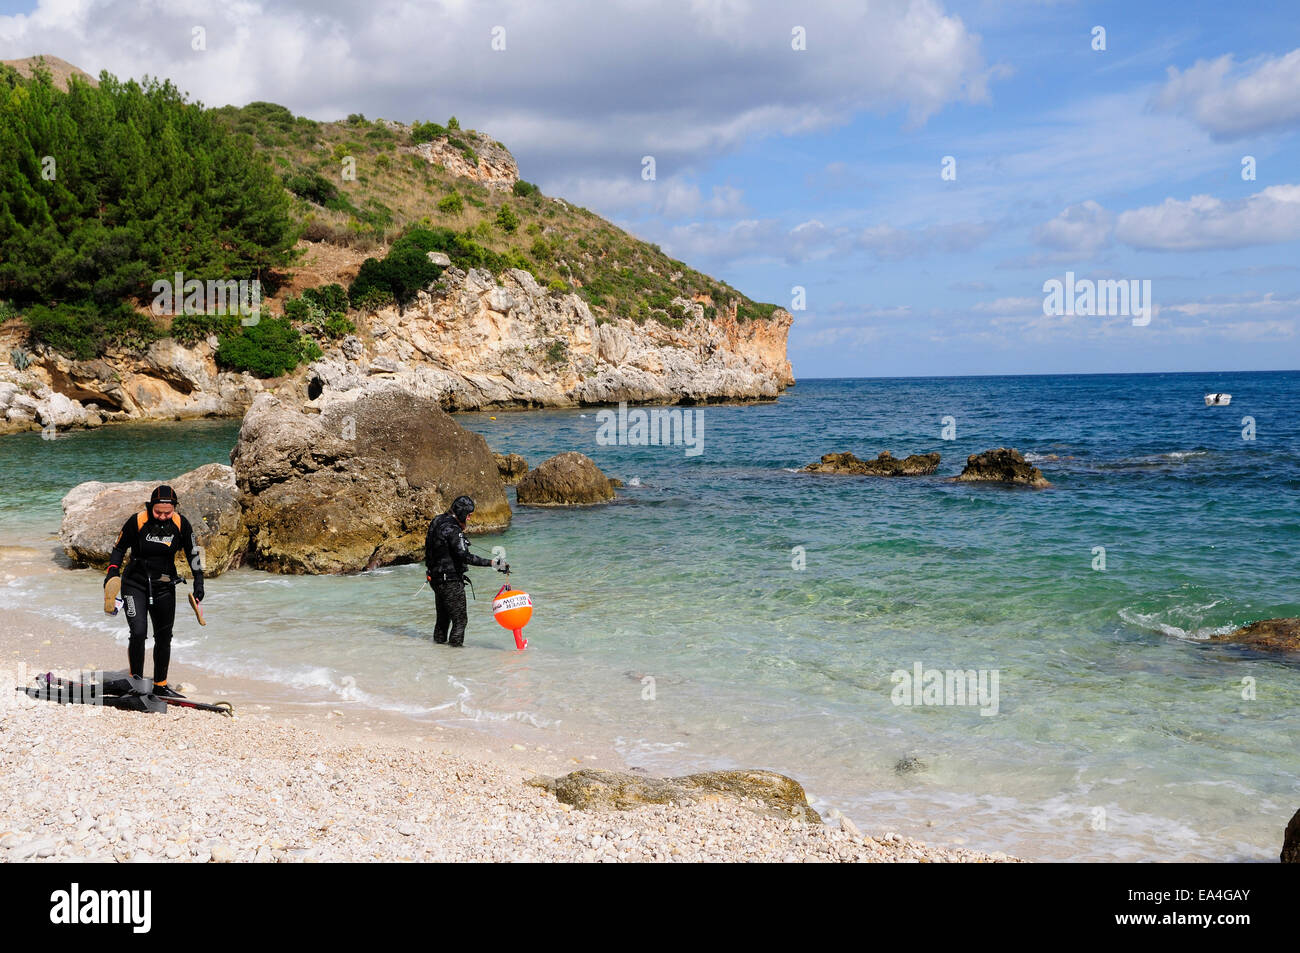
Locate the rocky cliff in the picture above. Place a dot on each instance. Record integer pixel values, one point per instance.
(469, 342)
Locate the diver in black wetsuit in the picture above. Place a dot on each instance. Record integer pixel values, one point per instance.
(148, 585)
(446, 557)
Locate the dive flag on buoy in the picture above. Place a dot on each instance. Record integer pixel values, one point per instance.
(512, 608)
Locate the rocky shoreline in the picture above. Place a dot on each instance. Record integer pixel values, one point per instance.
(281, 783)
(469, 342)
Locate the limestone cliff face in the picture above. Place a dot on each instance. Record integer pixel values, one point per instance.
(496, 167)
(166, 382)
(473, 343)
(469, 342)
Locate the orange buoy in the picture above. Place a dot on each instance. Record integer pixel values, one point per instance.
(512, 608)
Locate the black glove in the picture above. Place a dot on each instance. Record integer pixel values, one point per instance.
(504, 567)
(198, 588)
(112, 571)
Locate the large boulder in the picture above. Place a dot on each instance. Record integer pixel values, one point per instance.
(1266, 635)
(766, 791)
(1003, 465)
(1291, 841)
(353, 482)
(93, 514)
(918, 464)
(566, 479)
(511, 466)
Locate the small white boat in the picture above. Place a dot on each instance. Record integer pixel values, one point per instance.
(1218, 400)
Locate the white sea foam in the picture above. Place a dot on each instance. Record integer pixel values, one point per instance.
(1153, 622)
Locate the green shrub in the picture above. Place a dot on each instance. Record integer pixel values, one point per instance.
(330, 297)
(453, 123)
(373, 299)
(426, 132)
(451, 203)
(270, 348)
(557, 352)
(506, 219)
(311, 186)
(88, 330)
(20, 359)
(558, 284)
(406, 269)
(752, 311)
(297, 309)
(524, 189)
(337, 326)
(190, 329)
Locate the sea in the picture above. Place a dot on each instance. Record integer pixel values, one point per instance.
(1000, 667)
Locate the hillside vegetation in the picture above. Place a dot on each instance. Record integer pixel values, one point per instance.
(148, 184)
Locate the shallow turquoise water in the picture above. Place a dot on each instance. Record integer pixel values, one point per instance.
(675, 624)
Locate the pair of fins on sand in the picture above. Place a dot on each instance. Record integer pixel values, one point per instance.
(116, 690)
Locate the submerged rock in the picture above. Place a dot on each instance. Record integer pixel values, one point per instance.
(93, 514)
(1266, 635)
(918, 464)
(511, 466)
(1291, 841)
(1003, 465)
(594, 790)
(356, 484)
(566, 479)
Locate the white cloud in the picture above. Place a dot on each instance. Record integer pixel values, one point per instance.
(1263, 95)
(1081, 228)
(1004, 305)
(673, 199)
(1204, 221)
(577, 90)
(895, 244)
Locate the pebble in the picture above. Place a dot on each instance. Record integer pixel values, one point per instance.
(226, 786)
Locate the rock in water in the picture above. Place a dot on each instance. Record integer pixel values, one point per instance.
(356, 485)
(593, 790)
(93, 514)
(1003, 465)
(1266, 635)
(918, 464)
(1291, 841)
(566, 479)
(511, 466)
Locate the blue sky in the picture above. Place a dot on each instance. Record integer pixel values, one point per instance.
(820, 167)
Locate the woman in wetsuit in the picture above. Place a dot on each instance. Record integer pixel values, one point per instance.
(148, 586)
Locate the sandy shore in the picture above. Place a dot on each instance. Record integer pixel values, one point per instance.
(282, 782)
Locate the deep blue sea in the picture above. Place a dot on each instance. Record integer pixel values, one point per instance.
(729, 611)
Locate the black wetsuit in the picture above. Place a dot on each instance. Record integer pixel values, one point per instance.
(149, 584)
(446, 557)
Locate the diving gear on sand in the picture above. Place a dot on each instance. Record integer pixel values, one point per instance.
(117, 690)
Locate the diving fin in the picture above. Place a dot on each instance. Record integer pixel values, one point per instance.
(121, 683)
(112, 589)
